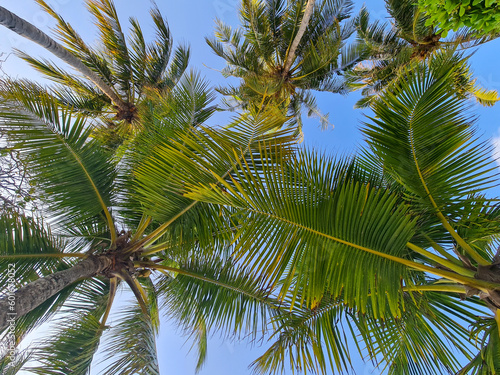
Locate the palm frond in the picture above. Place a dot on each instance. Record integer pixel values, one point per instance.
(12, 367)
(228, 297)
(76, 338)
(133, 332)
(310, 253)
(177, 68)
(77, 46)
(484, 96)
(426, 142)
(61, 76)
(312, 341)
(137, 51)
(165, 118)
(160, 51)
(426, 339)
(210, 294)
(113, 38)
(28, 253)
(22, 239)
(75, 172)
(486, 331)
(197, 155)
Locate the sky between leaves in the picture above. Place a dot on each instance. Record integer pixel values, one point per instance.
(190, 21)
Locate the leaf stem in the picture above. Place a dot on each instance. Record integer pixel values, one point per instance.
(444, 262)
(460, 241)
(453, 288)
(476, 283)
(440, 250)
(472, 253)
(200, 277)
(112, 292)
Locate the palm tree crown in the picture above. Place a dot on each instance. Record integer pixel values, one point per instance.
(127, 66)
(170, 253)
(278, 65)
(407, 41)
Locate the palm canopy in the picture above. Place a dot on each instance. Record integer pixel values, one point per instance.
(175, 236)
(260, 53)
(126, 63)
(389, 49)
(388, 244)
(234, 229)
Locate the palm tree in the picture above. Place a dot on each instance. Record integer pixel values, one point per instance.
(123, 69)
(283, 50)
(71, 263)
(27, 30)
(397, 247)
(234, 229)
(391, 49)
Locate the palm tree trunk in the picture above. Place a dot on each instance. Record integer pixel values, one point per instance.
(303, 26)
(27, 30)
(34, 294)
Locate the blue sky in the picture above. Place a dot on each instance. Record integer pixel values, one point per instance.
(190, 21)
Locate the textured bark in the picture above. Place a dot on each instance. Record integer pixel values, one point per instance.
(32, 295)
(27, 30)
(490, 273)
(302, 29)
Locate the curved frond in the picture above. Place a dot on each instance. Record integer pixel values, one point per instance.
(487, 361)
(194, 156)
(316, 209)
(9, 367)
(212, 295)
(113, 38)
(228, 297)
(76, 337)
(74, 171)
(427, 338)
(131, 346)
(427, 143)
(28, 248)
(312, 341)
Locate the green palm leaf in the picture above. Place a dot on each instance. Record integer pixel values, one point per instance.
(76, 45)
(74, 172)
(159, 51)
(8, 367)
(114, 40)
(312, 340)
(28, 253)
(64, 78)
(425, 339)
(76, 338)
(194, 156)
(177, 67)
(28, 247)
(426, 143)
(486, 331)
(133, 332)
(165, 120)
(209, 294)
(313, 254)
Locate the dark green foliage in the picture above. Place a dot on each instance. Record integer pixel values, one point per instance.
(481, 16)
